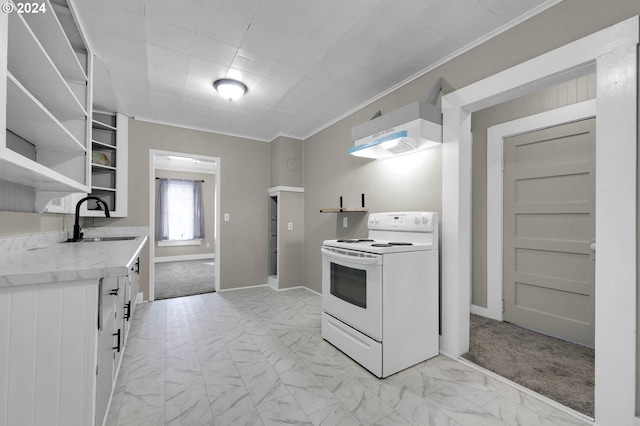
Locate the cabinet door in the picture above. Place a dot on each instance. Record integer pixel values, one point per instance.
(125, 305)
(134, 285)
(106, 329)
(119, 329)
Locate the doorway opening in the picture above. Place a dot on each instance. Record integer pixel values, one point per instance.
(532, 261)
(616, 191)
(185, 262)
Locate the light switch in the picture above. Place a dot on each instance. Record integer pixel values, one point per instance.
(345, 222)
(290, 226)
(226, 217)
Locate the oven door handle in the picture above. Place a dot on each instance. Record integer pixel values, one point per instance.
(377, 260)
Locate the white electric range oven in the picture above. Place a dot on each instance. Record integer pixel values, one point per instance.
(380, 294)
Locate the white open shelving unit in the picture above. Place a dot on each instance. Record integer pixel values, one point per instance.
(46, 87)
(109, 181)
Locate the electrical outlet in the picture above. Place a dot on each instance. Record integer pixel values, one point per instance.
(345, 222)
(208, 245)
(226, 217)
(290, 226)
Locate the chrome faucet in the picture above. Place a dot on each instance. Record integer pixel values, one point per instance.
(77, 235)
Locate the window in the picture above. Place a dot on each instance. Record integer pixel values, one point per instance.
(179, 210)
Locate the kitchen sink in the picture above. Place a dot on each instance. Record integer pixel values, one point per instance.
(104, 239)
(113, 238)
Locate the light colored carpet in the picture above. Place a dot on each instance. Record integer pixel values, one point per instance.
(555, 368)
(185, 278)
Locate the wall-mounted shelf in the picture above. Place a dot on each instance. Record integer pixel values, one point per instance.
(102, 145)
(30, 120)
(97, 189)
(341, 209)
(99, 125)
(344, 209)
(19, 169)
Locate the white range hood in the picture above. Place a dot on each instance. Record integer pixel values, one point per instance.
(414, 127)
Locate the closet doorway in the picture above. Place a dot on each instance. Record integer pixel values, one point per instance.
(184, 224)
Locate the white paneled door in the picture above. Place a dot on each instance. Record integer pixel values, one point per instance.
(549, 231)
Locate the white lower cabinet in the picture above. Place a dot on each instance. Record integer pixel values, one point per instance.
(105, 364)
(62, 344)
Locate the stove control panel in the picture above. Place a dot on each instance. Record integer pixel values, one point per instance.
(397, 220)
(404, 221)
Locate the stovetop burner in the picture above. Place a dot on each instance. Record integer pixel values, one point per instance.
(391, 244)
(369, 240)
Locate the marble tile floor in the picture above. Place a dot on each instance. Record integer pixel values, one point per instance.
(256, 357)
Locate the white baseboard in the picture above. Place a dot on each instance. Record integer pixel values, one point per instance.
(290, 288)
(242, 288)
(312, 291)
(268, 285)
(173, 243)
(275, 286)
(485, 312)
(181, 258)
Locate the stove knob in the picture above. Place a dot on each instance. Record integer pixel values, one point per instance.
(416, 220)
(425, 218)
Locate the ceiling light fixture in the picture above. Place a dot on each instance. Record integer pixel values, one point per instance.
(230, 89)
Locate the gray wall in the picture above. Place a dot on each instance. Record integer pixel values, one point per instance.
(18, 223)
(564, 94)
(286, 162)
(208, 195)
(291, 248)
(244, 178)
(286, 159)
(411, 182)
(16, 198)
(416, 184)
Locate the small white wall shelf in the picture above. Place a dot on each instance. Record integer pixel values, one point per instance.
(344, 209)
(341, 209)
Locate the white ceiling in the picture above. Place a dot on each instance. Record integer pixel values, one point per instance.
(306, 63)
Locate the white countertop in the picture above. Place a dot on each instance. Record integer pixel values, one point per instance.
(62, 261)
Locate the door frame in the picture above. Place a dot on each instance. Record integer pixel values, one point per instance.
(613, 54)
(153, 154)
(495, 148)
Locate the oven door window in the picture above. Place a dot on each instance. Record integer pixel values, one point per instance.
(349, 284)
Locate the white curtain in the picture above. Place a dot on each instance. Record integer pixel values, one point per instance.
(179, 210)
